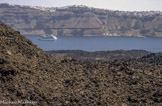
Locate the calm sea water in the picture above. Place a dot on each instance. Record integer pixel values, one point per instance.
(99, 43)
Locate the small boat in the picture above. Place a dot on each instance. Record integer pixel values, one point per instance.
(54, 37)
(48, 38)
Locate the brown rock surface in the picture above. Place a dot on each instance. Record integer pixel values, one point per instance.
(28, 73)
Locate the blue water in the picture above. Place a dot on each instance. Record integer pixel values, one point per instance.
(99, 43)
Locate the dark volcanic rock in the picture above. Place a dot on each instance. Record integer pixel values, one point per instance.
(101, 56)
(28, 73)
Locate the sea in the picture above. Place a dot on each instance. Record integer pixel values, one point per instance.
(91, 44)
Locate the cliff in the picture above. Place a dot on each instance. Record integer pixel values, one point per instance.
(81, 21)
(29, 74)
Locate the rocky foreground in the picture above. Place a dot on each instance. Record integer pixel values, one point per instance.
(28, 73)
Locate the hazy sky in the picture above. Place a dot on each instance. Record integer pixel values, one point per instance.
(126, 5)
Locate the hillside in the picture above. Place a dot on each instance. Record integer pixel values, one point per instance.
(81, 21)
(101, 56)
(28, 73)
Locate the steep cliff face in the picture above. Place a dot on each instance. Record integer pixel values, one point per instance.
(29, 74)
(81, 21)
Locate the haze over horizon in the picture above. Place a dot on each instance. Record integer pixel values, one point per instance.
(123, 5)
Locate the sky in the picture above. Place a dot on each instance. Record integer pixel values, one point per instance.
(124, 5)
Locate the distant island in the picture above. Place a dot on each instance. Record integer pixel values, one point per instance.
(98, 56)
(81, 21)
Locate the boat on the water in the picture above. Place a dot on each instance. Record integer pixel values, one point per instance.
(48, 38)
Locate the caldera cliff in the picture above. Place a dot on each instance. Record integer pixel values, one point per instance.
(81, 21)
